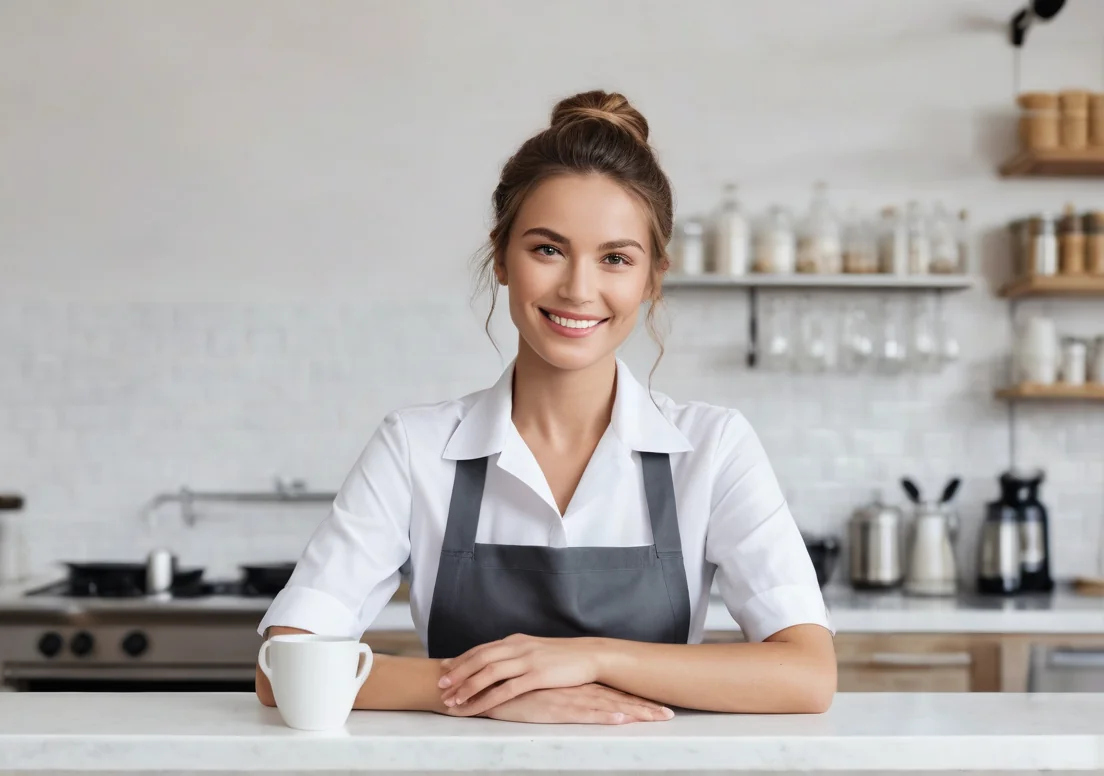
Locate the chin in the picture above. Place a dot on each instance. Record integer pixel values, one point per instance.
(571, 356)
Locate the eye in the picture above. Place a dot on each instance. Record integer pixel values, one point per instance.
(617, 260)
(546, 250)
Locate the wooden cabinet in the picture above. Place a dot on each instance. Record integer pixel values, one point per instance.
(916, 663)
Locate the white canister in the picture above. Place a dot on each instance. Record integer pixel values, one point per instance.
(731, 237)
(1074, 361)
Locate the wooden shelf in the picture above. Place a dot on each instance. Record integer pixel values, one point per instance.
(1054, 285)
(1059, 391)
(841, 282)
(1055, 163)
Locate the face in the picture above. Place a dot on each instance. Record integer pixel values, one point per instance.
(578, 267)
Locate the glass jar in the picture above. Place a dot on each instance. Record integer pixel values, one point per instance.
(689, 251)
(919, 241)
(1094, 242)
(860, 248)
(775, 248)
(892, 243)
(819, 246)
(731, 236)
(944, 242)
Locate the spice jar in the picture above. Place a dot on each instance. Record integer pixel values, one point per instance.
(860, 251)
(1042, 246)
(1094, 242)
(819, 246)
(919, 240)
(1075, 118)
(1096, 120)
(892, 243)
(690, 248)
(1071, 243)
(775, 243)
(944, 242)
(1038, 120)
(1074, 360)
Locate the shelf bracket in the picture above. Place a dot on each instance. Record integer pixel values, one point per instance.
(753, 327)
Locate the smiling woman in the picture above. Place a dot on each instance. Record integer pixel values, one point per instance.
(564, 526)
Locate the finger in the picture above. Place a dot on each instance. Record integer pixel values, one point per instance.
(599, 717)
(478, 682)
(451, 662)
(498, 695)
(477, 662)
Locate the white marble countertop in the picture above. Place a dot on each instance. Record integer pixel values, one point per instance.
(861, 732)
(1063, 612)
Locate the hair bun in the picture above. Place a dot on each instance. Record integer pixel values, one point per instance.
(612, 107)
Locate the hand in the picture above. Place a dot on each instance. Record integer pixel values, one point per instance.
(592, 704)
(517, 664)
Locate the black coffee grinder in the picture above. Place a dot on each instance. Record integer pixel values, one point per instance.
(1021, 489)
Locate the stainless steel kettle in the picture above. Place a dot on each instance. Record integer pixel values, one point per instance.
(874, 543)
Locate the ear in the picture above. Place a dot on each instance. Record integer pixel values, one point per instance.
(500, 269)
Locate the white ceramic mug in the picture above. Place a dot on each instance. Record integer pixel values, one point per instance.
(314, 679)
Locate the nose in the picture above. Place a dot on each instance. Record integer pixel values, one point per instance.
(578, 281)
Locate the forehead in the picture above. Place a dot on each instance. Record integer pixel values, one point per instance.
(584, 208)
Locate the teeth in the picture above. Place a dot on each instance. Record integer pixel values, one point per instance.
(573, 323)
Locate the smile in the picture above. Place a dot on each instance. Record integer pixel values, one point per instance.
(572, 327)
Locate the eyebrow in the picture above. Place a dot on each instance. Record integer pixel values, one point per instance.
(612, 245)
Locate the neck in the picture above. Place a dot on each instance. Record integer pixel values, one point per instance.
(564, 407)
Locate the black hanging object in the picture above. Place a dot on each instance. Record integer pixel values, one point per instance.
(1036, 9)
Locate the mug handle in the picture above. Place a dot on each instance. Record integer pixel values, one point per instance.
(366, 667)
(262, 659)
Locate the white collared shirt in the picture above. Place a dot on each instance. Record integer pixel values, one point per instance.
(392, 509)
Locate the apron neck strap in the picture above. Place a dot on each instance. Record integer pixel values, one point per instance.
(659, 490)
(463, 514)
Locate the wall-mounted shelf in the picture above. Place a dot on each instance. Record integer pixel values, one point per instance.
(841, 282)
(752, 283)
(1057, 391)
(1055, 163)
(1054, 285)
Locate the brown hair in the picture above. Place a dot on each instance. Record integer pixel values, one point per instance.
(591, 132)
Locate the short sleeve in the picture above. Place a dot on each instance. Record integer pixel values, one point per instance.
(350, 567)
(764, 572)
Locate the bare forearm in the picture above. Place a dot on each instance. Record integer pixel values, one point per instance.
(770, 677)
(393, 684)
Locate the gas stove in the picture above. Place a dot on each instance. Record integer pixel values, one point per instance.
(94, 631)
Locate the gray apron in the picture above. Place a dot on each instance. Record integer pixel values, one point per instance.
(486, 592)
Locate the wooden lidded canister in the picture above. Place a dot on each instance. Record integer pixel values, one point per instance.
(1038, 120)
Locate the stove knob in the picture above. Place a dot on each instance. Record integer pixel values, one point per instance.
(81, 644)
(50, 644)
(135, 643)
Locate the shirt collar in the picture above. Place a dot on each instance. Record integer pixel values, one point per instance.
(636, 420)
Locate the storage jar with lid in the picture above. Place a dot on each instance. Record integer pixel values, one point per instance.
(892, 243)
(874, 543)
(860, 248)
(689, 247)
(1038, 120)
(1042, 251)
(775, 242)
(1075, 118)
(919, 240)
(1094, 242)
(944, 242)
(1071, 243)
(819, 247)
(1075, 352)
(731, 236)
(1096, 120)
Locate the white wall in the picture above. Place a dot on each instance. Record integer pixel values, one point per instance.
(233, 234)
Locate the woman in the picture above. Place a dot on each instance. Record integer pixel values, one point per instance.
(563, 527)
